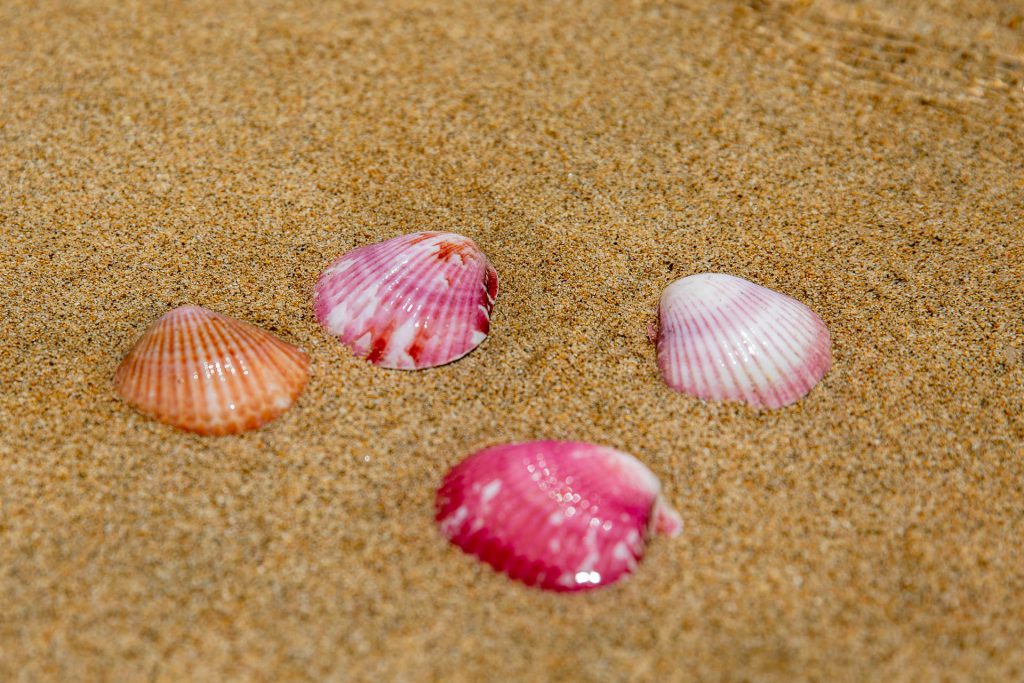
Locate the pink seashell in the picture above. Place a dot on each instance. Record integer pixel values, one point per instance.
(210, 374)
(415, 301)
(560, 515)
(724, 338)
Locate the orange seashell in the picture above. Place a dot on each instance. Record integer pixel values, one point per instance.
(210, 374)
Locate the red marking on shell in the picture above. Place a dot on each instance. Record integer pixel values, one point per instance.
(411, 302)
(417, 237)
(491, 283)
(447, 249)
(563, 516)
(724, 338)
(380, 344)
(210, 374)
(419, 343)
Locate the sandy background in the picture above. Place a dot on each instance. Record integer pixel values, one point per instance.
(865, 159)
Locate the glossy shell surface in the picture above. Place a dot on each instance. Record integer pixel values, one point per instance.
(559, 515)
(411, 302)
(211, 374)
(723, 338)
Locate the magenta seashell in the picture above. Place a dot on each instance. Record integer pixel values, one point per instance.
(724, 338)
(415, 301)
(559, 515)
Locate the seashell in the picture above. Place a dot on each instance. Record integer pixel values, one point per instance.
(210, 374)
(559, 515)
(724, 338)
(415, 301)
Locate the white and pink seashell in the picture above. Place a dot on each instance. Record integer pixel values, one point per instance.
(210, 374)
(724, 338)
(559, 515)
(415, 301)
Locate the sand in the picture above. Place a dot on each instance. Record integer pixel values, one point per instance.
(865, 159)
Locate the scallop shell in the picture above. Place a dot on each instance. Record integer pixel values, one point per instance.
(210, 374)
(415, 301)
(559, 515)
(724, 338)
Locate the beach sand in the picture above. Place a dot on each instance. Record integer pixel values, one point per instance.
(865, 159)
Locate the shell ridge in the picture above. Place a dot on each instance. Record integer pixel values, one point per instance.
(688, 369)
(254, 372)
(434, 309)
(274, 354)
(664, 349)
(361, 276)
(756, 367)
(457, 342)
(215, 395)
(724, 289)
(187, 365)
(792, 338)
(154, 389)
(795, 314)
(733, 334)
(232, 374)
(439, 318)
(702, 359)
(191, 365)
(286, 361)
(298, 373)
(793, 372)
(565, 516)
(375, 289)
(352, 277)
(797, 324)
(250, 362)
(132, 373)
(168, 366)
(793, 354)
(409, 277)
(208, 373)
(714, 354)
(735, 340)
(402, 289)
(227, 373)
(354, 317)
(381, 262)
(784, 355)
(724, 332)
(417, 300)
(361, 310)
(172, 344)
(763, 390)
(473, 273)
(680, 353)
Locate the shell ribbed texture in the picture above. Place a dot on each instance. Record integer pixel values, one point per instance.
(211, 374)
(563, 516)
(411, 302)
(724, 338)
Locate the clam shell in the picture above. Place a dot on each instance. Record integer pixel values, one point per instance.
(414, 301)
(724, 338)
(559, 515)
(210, 374)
